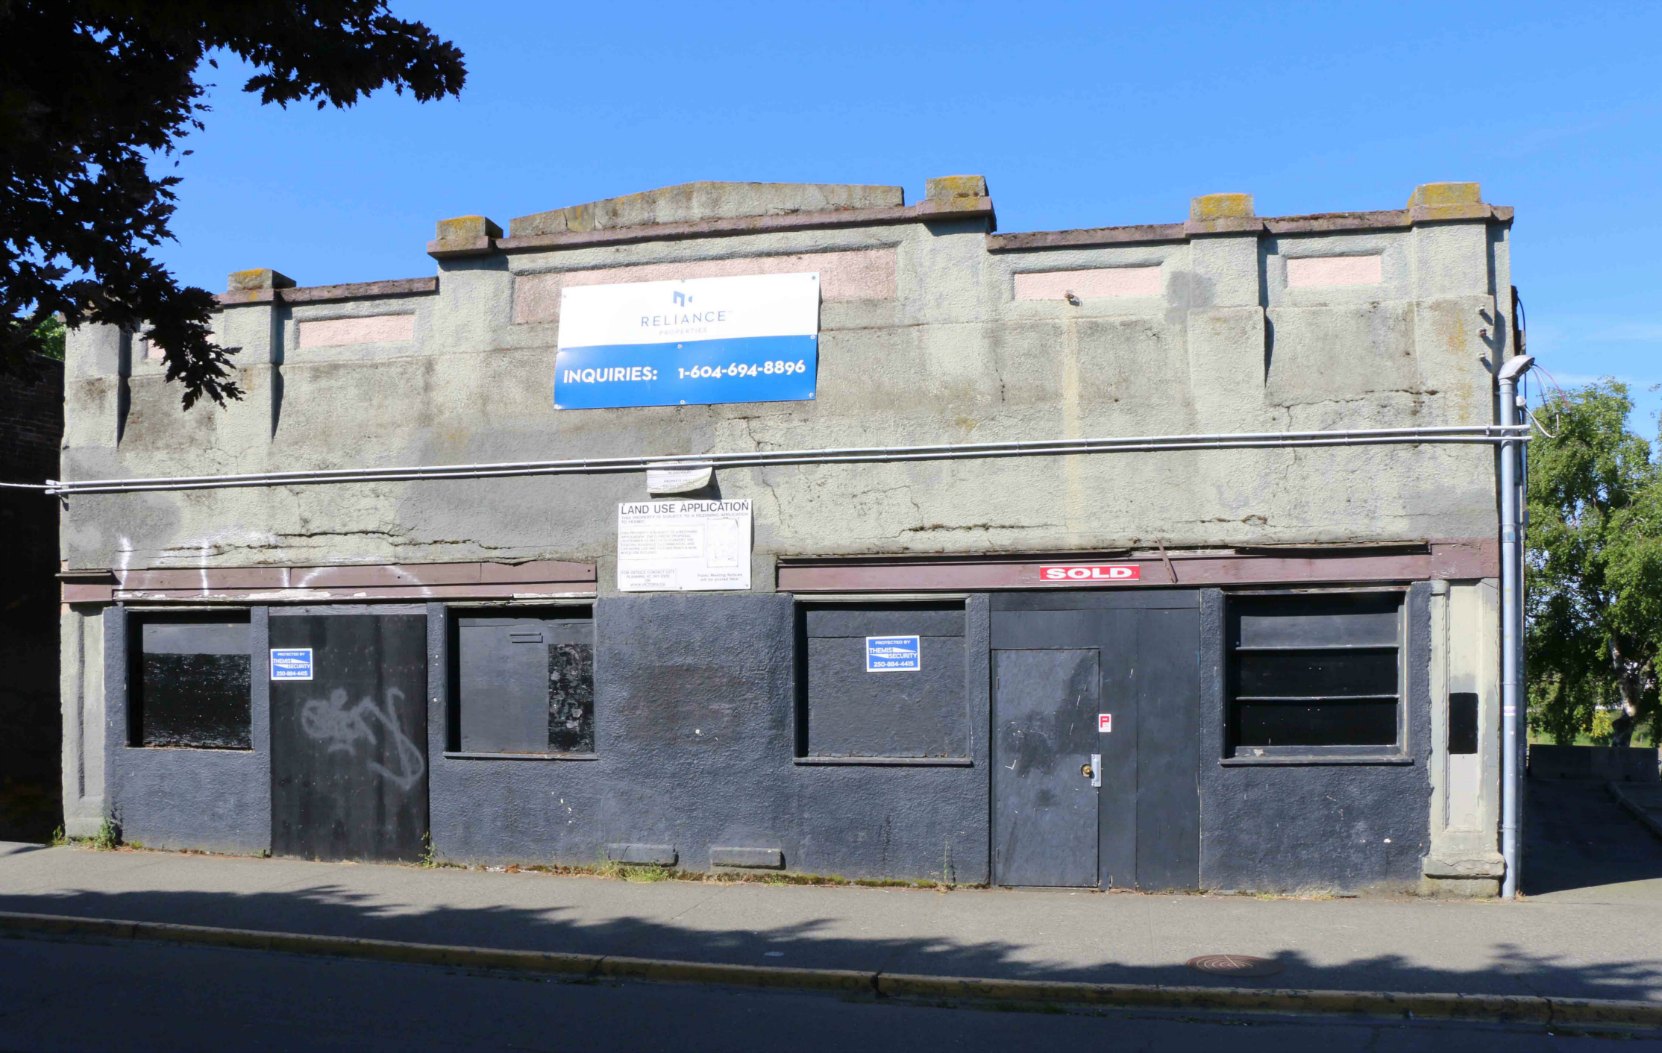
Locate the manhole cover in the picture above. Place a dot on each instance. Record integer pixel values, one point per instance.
(1235, 965)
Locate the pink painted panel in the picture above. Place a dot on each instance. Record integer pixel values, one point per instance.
(1101, 283)
(1313, 272)
(372, 329)
(864, 274)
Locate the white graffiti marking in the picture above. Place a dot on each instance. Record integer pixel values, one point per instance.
(329, 720)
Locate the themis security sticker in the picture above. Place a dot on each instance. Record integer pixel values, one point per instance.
(893, 654)
(291, 663)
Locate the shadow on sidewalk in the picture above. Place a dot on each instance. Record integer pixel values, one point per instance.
(1577, 837)
(815, 943)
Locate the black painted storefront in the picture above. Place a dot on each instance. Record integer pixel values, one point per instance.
(732, 730)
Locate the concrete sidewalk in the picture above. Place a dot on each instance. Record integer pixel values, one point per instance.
(1592, 943)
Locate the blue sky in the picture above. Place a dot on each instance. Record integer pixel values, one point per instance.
(1079, 115)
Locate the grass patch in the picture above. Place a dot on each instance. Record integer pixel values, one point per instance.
(107, 839)
(646, 873)
(639, 873)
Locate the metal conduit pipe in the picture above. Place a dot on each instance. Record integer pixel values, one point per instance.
(1513, 713)
(1483, 434)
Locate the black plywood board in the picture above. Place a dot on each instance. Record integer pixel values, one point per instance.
(348, 753)
(525, 684)
(192, 682)
(1163, 677)
(195, 700)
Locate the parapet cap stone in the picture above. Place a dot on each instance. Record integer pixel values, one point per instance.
(255, 285)
(1434, 201)
(258, 278)
(1222, 214)
(702, 201)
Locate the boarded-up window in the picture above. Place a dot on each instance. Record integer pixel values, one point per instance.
(524, 683)
(882, 680)
(190, 684)
(1314, 672)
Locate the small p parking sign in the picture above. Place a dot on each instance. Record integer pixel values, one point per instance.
(893, 654)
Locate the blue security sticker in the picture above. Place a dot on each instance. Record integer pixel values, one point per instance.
(893, 654)
(291, 663)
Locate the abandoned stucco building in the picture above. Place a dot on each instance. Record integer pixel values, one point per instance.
(895, 599)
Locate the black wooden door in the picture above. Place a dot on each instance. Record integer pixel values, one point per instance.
(349, 746)
(1150, 760)
(1044, 803)
(1145, 651)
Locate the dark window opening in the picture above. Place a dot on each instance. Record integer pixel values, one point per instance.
(881, 680)
(524, 683)
(190, 683)
(1314, 672)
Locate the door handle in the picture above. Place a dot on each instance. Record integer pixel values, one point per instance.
(1096, 769)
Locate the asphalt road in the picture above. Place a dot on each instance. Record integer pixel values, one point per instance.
(74, 995)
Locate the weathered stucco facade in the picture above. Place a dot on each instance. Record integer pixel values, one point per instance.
(933, 329)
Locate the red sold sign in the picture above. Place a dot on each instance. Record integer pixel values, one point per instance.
(1101, 572)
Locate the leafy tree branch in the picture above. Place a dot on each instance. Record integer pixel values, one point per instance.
(94, 92)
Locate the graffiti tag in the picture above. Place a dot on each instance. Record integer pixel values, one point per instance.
(330, 720)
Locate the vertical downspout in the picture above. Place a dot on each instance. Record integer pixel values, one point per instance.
(1521, 416)
(1511, 629)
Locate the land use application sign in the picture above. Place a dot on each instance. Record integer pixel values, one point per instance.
(683, 546)
(703, 340)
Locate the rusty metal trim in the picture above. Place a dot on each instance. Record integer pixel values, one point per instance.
(533, 579)
(345, 594)
(1460, 559)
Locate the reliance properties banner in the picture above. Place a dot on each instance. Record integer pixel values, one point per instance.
(677, 343)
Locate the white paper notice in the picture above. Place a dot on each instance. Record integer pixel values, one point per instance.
(677, 479)
(683, 546)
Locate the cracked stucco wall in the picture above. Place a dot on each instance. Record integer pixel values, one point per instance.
(1226, 346)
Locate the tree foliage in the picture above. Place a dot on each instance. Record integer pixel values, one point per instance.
(1594, 555)
(49, 338)
(95, 93)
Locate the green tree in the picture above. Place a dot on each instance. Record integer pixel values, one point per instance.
(49, 337)
(96, 93)
(1594, 564)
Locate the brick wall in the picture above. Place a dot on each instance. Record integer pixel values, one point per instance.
(31, 428)
(31, 421)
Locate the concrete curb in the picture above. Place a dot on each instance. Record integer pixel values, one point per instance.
(1515, 1009)
(1638, 811)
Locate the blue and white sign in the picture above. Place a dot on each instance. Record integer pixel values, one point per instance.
(694, 342)
(291, 663)
(893, 654)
